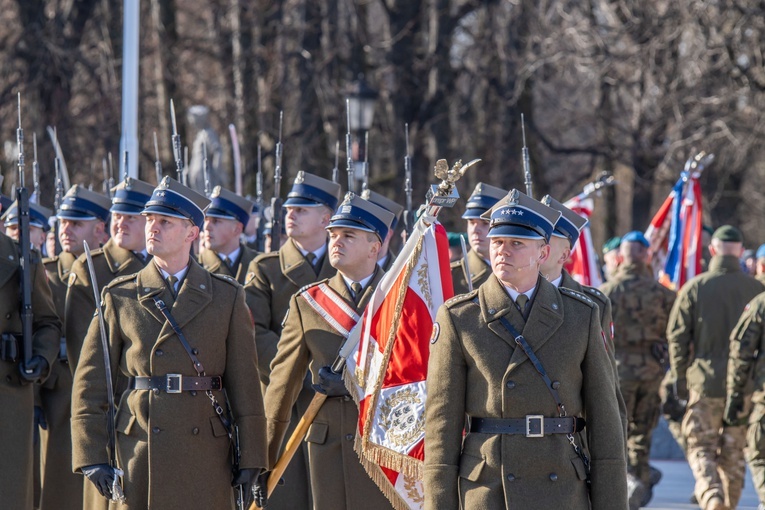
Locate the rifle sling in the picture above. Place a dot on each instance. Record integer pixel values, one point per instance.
(200, 369)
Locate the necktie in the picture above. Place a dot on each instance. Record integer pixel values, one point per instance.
(356, 288)
(521, 301)
(311, 258)
(229, 262)
(171, 281)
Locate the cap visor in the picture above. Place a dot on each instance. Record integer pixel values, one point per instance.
(126, 209)
(301, 202)
(164, 211)
(513, 231)
(474, 213)
(75, 215)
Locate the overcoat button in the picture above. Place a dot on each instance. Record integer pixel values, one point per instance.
(491, 311)
(195, 431)
(7, 316)
(349, 437)
(553, 477)
(556, 385)
(193, 393)
(194, 352)
(159, 352)
(156, 391)
(155, 430)
(511, 477)
(510, 385)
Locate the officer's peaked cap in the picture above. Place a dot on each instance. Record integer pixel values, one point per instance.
(130, 196)
(171, 198)
(518, 215)
(80, 203)
(310, 190)
(569, 225)
(483, 198)
(385, 203)
(38, 215)
(229, 205)
(355, 212)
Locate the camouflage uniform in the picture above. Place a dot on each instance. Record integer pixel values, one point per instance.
(702, 318)
(640, 307)
(746, 375)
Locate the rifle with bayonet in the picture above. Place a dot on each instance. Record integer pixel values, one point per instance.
(124, 175)
(408, 213)
(260, 236)
(206, 170)
(336, 169)
(35, 198)
(466, 265)
(365, 169)
(276, 201)
(349, 166)
(110, 180)
(176, 138)
(25, 283)
(157, 161)
(526, 164)
(116, 486)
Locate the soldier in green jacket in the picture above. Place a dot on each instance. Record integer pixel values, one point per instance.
(522, 428)
(225, 220)
(172, 445)
(272, 279)
(746, 377)
(481, 200)
(16, 386)
(700, 324)
(309, 342)
(640, 307)
(82, 218)
(124, 254)
(386, 256)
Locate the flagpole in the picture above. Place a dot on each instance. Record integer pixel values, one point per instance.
(439, 196)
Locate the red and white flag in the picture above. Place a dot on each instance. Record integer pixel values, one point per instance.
(386, 373)
(583, 262)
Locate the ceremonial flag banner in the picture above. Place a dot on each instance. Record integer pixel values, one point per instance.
(583, 261)
(387, 372)
(675, 233)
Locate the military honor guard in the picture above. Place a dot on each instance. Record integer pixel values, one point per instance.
(125, 253)
(225, 219)
(527, 363)
(640, 308)
(310, 342)
(82, 217)
(172, 443)
(386, 256)
(746, 377)
(476, 264)
(38, 223)
(705, 312)
(17, 379)
(272, 279)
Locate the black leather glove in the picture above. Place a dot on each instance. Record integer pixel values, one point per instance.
(39, 422)
(331, 383)
(259, 489)
(102, 476)
(34, 371)
(673, 408)
(734, 405)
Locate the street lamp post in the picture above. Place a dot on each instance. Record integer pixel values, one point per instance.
(361, 105)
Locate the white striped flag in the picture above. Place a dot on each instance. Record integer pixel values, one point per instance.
(387, 372)
(583, 261)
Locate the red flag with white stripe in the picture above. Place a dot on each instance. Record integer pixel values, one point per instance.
(583, 261)
(387, 373)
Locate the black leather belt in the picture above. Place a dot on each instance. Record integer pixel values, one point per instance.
(175, 383)
(531, 426)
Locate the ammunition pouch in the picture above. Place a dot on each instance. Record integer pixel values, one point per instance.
(9, 348)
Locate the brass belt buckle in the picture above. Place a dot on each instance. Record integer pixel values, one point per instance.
(174, 383)
(531, 425)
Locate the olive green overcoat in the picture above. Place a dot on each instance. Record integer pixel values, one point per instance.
(213, 263)
(476, 369)
(16, 399)
(480, 271)
(173, 447)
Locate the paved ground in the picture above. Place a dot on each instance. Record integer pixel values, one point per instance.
(676, 486)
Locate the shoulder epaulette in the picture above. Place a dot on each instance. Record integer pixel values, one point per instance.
(121, 279)
(461, 298)
(225, 278)
(576, 295)
(49, 260)
(314, 284)
(595, 292)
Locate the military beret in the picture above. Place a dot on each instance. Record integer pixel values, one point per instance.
(761, 251)
(748, 254)
(728, 234)
(636, 237)
(612, 244)
(454, 238)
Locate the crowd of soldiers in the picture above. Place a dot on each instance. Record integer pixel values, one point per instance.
(541, 390)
